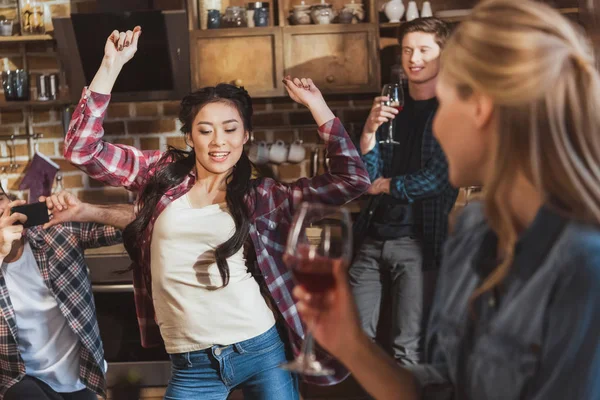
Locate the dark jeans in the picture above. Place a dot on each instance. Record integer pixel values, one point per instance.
(30, 388)
(392, 267)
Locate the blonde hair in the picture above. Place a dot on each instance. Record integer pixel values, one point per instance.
(539, 72)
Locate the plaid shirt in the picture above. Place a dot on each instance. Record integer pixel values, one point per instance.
(58, 252)
(429, 185)
(272, 206)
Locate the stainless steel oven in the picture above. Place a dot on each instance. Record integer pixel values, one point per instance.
(115, 309)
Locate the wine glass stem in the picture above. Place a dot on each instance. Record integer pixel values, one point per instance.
(391, 130)
(307, 347)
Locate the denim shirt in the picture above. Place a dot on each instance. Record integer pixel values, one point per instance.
(539, 338)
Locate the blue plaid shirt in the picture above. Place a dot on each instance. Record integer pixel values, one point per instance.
(429, 185)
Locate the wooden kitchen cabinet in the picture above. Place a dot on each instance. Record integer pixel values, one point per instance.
(339, 58)
(249, 57)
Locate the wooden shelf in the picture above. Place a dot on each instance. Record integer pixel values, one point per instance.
(328, 28)
(232, 31)
(462, 14)
(26, 38)
(35, 104)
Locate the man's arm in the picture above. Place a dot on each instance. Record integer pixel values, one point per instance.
(429, 181)
(117, 215)
(65, 207)
(369, 137)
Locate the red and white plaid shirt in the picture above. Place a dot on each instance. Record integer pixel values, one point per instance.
(59, 253)
(272, 204)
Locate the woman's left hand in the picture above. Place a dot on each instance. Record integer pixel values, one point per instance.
(303, 91)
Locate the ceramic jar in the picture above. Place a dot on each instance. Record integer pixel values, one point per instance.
(394, 10)
(322, 14)
(300, 14)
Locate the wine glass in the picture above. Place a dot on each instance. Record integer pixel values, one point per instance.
(320, 239)
(395, 96)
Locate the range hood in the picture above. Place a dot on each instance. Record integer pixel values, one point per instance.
(160, 69)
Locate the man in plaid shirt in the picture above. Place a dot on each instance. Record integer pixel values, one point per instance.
(401, 231)
(50, 346)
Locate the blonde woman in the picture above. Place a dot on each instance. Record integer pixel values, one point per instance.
(517, 309)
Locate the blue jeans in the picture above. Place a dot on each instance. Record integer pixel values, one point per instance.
(251, 365)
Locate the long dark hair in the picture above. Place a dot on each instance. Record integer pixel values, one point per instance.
(176, 164)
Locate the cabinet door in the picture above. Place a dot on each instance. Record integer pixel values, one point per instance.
(338, 58)
(249, 57)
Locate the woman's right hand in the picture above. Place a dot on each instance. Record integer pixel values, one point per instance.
(119, 49)
(121, 46)
(332, 317)
(9, 232)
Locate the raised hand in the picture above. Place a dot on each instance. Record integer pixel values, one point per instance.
(63, 207)
(379, 114)
(9, 232)
(121, 46)
(303, 91)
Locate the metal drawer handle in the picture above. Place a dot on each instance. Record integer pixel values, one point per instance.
(112, 288)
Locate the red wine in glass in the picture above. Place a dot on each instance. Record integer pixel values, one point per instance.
(314, 273)
(397, 106)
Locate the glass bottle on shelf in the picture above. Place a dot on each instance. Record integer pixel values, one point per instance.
(31, 16)
(235, 17)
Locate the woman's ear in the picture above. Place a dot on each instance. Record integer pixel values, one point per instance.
(246, 137)
(188, 140)
(484, 110)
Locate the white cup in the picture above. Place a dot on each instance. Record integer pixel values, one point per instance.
(426, 10)
(259, 153)
(412, 12)
(297, 152)
(278, 152)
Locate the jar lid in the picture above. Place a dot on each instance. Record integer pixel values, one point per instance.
(257, 4)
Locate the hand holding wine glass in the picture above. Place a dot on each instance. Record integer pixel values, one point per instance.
(319, 242)
(379, 115)
(331, 316)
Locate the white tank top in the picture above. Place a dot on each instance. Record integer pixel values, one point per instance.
(193, 311)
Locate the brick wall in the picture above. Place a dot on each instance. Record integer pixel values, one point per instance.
(148, 125)
(154, 125)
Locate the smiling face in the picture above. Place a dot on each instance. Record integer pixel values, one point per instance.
(218, 137)
(420, 57)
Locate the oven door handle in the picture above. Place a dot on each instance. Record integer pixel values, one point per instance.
(128, 287)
